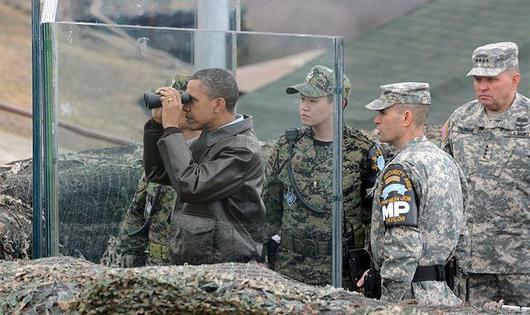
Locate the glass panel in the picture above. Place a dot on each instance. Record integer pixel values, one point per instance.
(98, 78)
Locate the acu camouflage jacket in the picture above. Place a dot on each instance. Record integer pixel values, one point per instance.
(495, 156)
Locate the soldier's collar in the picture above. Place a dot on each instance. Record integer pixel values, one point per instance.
(412, 143)
(507, 119)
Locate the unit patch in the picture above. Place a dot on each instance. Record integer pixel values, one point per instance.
(398, 199)
(376, 159)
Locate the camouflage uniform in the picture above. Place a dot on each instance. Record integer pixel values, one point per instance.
(305, 248)
(494, 155)
(418, 211)
(144, 232)
(150, 246)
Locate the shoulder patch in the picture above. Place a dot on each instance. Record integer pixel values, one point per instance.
(398, 199)
(377, 161)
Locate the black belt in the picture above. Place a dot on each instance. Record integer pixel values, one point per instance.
(429, 273)
(307, 247)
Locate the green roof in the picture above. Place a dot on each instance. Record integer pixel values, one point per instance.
(432, 43)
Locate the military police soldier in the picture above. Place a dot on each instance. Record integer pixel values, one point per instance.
(418, 208)
(297, 193)
(489, 137)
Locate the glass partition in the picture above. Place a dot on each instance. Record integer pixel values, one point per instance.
(95, 86)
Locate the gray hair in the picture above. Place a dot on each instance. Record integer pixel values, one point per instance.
(218, 83)
(514, 69)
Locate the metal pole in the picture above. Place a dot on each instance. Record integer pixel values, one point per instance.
(46, 134)
(50, 147)
(237, 4)
(36, 88)
(210, 49)
(336, 216)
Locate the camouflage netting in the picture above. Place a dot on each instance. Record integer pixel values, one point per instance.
(70, 285)
(95, 188)
(15, 229)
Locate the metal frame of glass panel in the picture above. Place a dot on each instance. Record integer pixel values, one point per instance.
(37, 81)
(337, 212)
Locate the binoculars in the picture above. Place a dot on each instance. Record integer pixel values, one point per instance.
(152, 100)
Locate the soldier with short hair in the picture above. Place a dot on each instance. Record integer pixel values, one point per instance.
(489, 137)
(297, 192)
(418, 208)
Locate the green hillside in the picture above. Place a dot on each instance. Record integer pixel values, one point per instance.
(432, 43)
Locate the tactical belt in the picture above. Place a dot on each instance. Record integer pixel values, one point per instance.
(158, 251)
(429, 273)
(307, 247)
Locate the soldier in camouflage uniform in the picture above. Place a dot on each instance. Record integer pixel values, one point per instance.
(489, 137)
(144, 232)
(299, 206)
(418, 208)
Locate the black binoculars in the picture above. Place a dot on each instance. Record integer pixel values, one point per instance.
(152, 100)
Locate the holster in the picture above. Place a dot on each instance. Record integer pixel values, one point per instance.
(450, 273)
(359, 261)
(372, 284)
(272, 252)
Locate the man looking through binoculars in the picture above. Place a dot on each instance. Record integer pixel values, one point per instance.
(218, 179)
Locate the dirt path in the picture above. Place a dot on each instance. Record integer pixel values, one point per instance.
(14, 147)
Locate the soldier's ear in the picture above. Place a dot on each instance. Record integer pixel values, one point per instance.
(407, 118)
(516, 78)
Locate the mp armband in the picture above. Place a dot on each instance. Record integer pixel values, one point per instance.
(398, 198)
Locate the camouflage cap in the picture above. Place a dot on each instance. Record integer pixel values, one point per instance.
(492, 59)
(320, 81)
(180, 81)
(414, 93)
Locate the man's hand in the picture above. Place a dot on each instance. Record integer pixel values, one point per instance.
(156, 113)
(360, 283)
(171, 111)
